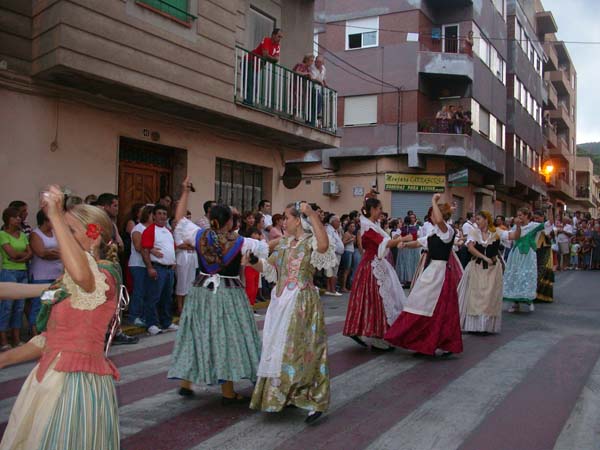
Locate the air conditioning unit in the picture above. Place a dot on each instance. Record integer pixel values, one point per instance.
(331, 188)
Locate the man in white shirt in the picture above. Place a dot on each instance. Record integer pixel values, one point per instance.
(160, 265)
(563, 239)
(333, 232)
(264, 207)
(463, 253)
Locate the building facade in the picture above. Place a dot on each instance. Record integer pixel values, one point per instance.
(129, 96)
(427, 56)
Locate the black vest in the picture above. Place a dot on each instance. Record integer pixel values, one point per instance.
(438, 249)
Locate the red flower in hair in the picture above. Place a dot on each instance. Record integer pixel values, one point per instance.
(93, 231)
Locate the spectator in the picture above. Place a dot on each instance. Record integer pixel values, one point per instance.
(204, 221)
(451, 115)
(459, 120)
(90, 199)
(110, 204)
(333, 232)
(158, 312)
(15, 252)
(137, 268)
(248, 221)
(467, 124)
(46, 265)
(134, 218)
(21, 206)
(348, 239)
(463, 253)
(251, 275)
(71, 201)
(318, 74)
(469, 43)
(187, 263)
(264, 207)
(442, 120)
(269, 48)
(259, 224)
(276, 231)
(575, 250)
(563, 239)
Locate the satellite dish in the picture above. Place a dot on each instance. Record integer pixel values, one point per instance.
(292, 176)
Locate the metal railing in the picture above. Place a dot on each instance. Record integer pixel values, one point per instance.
(273, 88)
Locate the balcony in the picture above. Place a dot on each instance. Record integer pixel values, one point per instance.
(529, 178)
(550, 51)
(272, 88)
(551, 137)
(545, 22)
(552, 101)
(560, 188)
(583, 195)
(446, 64)
(562, 81)
(562, 151)
(561, 116)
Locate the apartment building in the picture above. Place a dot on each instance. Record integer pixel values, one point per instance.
(585, 195)
(128, 96)
(482, 56)
(559, 111)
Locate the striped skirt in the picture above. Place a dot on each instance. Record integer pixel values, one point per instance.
(67, 411)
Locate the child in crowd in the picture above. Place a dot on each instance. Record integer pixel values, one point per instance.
(586, 253)
(251, 275)
(575, 249)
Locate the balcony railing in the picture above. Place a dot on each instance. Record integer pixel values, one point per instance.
(274, 89)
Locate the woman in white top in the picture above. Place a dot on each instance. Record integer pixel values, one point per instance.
(187, 263)
(137, 268)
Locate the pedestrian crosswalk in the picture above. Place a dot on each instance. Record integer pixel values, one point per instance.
(522, 389)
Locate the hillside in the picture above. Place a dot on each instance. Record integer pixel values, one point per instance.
(591, 149)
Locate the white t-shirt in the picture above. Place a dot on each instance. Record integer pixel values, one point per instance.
(135, 260)
(562, 237)
(316, 74)
(268, 220)
(467, 228)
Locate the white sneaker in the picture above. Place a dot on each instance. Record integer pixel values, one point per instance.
(172, 327)
(154, 330)
(531, 307)
(332, 294)
(338, 294)
(139, 323)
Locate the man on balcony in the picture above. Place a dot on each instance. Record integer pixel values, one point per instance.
(269, 50)
(269, 47)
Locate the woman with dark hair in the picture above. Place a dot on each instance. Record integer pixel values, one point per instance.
(293, 367)
(248, 221)
(376, 297)
(276, 231)
(520, 277)
(15, 252)
(430, 321)
(545, 274)
(217, 341)
(480, 289)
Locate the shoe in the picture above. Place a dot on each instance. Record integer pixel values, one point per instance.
(338, 294)
(154, 330)
(313, 417)
(531, 307)
(358, 340)
(185, 392)
(514, 308)
(139, 323)
(172, 327)
(123, 339)
(382, 350)
(257, 314)
(331, 294)
(237, 400)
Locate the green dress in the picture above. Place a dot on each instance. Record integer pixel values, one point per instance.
(294, 369)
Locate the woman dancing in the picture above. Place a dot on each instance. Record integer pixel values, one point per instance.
(377, 296)
(69, 400)
(293, 368)
(520, 278)
(408, 258)
(430, 321)
(217, 341)
(545, 274)
(480, 289)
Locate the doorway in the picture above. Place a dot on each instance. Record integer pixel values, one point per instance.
(450, 38)
(146, 173)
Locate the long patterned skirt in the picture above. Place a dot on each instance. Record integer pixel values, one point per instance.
(520, 277)
(217, 338)
(66, 410)
(545, 275)
(304, 378)
(406, 264)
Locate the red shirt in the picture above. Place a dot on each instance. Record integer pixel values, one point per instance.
(271, 47)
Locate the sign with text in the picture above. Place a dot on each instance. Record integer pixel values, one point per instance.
(410, 182)
(459, 179)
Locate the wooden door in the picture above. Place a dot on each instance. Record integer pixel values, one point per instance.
(137, 184)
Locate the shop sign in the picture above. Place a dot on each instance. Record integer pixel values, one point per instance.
(409, 182)
(459, 179)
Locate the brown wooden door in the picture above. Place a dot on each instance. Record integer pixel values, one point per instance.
(137, 184)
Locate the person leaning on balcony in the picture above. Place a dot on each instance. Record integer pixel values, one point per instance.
(442, 120)
(469, 44)
(318, 75)
(269, 47)
(459, 120)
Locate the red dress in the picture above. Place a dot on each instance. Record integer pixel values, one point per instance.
(421, 328)
(366, 314)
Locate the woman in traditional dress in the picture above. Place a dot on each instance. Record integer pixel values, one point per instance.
(217, 341)
(69, 399)
(293, 368)
(520, 277)
(430, 321)
(545, 274)
(407, 259)
(377, 296)
(480, 289)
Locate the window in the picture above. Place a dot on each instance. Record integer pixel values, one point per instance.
(484, 51)
(260, 26)
(450, 36)
(174, 8)
(316, 44)
(499, 141)
(503, 137)
(517, 148)
(484, 122)
(500, 6)
(362, 33)
(360, 110)
(238, 184)
(517, 89)
(475, 115)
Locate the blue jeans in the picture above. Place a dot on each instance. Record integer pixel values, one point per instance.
(36, 303)
(158, 307)
(11, 311)
(138, 296)
(356, 256)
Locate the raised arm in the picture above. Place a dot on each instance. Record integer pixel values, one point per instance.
(515, 234)
(182, 206)
(436, 215)
(318, 228)
(72, 254)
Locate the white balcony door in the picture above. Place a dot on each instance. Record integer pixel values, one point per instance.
(450, 38)
(260, 26)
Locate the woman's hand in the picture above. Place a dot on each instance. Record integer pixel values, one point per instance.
(306, 209)
(52, 201)
(436, 197)
(186, 184)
